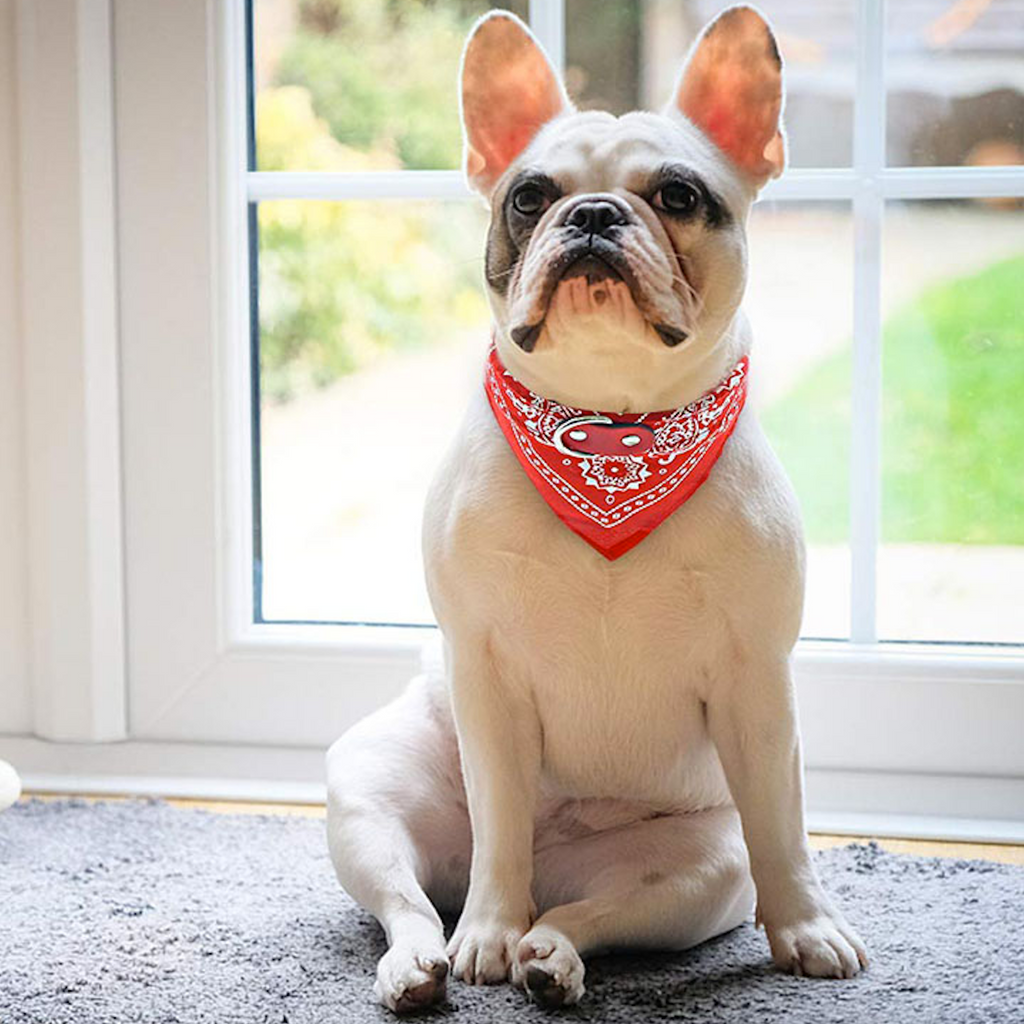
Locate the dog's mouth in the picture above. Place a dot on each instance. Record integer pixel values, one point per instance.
(597, 260)
(593, 267)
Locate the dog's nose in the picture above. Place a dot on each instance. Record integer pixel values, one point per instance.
(595, 217)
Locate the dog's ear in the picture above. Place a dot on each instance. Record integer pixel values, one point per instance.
(509, 90)
(731, 88)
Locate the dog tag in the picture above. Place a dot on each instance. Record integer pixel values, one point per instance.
(600, 435)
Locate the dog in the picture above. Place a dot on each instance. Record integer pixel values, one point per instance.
(609, 757)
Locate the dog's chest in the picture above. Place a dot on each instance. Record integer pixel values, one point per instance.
(615, 658)
(616, 662)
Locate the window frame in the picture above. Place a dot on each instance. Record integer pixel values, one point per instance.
(213, 699)
(868, 185)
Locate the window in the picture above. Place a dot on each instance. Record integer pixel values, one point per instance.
(336, 243)
(905, 446)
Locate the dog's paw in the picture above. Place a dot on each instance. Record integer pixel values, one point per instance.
(548, 967)
(411, 976)
(822, 946)
(481, 951)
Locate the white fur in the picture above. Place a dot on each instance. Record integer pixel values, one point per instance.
(10, 785)
(575, 778)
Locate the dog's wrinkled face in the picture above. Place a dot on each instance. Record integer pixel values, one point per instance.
(616, 255)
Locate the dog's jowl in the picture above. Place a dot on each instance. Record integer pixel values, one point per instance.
(609, 757)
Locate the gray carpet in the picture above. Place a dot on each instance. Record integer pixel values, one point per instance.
(135, 911)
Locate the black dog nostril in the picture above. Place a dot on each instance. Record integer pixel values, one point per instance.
(594, 218)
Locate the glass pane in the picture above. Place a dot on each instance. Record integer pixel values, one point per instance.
(951, 566)
(625, 54)
(373, 328)
(355, 85)
(800, 309)
(955, 77)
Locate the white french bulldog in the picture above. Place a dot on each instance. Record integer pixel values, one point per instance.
(611, 756)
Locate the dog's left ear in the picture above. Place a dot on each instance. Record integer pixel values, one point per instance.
(509, 91)
(731, 88)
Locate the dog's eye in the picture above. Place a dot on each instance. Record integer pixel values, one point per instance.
(529, 201)
(677, 197)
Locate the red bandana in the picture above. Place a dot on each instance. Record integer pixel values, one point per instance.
(614, 478)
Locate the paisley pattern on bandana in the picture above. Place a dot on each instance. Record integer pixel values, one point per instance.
(603, 474)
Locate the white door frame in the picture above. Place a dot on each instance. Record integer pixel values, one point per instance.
(889, 729)
(70, 474)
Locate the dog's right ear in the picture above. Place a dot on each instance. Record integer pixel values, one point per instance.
(509, 90)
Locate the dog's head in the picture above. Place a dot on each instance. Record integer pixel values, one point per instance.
(616, 255)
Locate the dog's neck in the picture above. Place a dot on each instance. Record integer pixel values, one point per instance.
(628, 377)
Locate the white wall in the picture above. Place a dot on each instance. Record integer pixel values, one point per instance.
(15, 711)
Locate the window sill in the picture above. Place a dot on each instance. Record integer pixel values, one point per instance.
(856, 803)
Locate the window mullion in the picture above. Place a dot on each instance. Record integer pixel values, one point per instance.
(865, 420)
(799, 184)
(346, 185)
(547, 20)
(952, 182)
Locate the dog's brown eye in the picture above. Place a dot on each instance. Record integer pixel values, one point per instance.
(529, 201)
(677, 197)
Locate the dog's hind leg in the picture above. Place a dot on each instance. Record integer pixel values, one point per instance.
(669, 882)
(378, 865)
(397, 827)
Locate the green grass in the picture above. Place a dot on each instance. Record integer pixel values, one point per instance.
(952, 420)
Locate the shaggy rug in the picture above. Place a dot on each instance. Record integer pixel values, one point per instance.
(136, 911)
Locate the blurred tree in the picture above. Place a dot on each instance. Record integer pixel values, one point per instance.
(341, 283)
(383, 74)
(363, 86)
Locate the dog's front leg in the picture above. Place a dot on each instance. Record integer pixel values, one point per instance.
(754, 726)
(499, 742)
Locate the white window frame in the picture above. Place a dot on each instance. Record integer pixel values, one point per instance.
(919, 739)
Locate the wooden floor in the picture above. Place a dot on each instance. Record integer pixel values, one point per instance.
(1003, 853)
